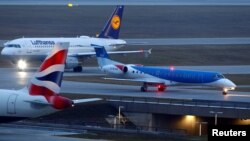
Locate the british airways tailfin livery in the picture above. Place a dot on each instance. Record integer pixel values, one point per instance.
(42, 94)
(159, 76)
(21, 50)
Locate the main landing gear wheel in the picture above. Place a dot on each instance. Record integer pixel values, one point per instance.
(77, 69)
(144, 88)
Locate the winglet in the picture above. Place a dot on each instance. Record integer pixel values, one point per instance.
(147, 52)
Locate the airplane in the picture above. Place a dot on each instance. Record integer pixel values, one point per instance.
(159, 76)
(21, 50)
(41, 95)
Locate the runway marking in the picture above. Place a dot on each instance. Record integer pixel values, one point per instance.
(237, 95)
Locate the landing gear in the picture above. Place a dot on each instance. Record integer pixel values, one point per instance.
(77, 69)
(144, 88)
(224, 92)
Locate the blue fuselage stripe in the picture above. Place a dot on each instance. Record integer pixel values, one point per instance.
(182, 76)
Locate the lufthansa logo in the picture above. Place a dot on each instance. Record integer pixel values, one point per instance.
(115, 22)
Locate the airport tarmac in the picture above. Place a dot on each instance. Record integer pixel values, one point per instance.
(189, 41)
(12, 133)
(10, 75)
(10, 79)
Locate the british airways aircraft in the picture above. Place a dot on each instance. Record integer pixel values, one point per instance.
(41, 96)
(159, 76)
(26, 49)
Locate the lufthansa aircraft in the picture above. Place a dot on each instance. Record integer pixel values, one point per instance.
(159, 76)
(25, 49)
(41, 96)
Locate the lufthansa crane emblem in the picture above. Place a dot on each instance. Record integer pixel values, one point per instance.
(115, 22)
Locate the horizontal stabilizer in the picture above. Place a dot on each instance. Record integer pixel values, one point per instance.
(91, 54)
(38, 102)
(87, 100)
(144, 80)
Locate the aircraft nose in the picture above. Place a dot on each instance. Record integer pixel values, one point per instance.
(229, 84)
(5, 52)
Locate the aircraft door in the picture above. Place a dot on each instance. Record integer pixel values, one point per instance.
(11, 105)
(28, 47)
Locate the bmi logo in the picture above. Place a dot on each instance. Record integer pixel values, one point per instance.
(115, 22)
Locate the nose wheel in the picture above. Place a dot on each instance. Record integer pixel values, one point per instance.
(224, 92)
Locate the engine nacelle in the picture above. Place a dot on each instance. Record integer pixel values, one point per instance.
(116, 69)
(125, 69)
(71, 62)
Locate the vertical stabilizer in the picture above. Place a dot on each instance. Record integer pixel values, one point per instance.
(112, 28)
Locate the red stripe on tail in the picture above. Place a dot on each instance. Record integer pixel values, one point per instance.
(58, 58)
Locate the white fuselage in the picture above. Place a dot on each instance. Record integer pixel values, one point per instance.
(114, 71)
(38, 48)
(15, 103)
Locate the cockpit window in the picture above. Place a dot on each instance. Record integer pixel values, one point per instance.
(219, 76)
(13, 46)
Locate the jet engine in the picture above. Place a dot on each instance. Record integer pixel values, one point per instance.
(73, 63)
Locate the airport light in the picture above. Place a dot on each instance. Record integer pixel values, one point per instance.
(119, 114)
(190, 118)
(215, 116)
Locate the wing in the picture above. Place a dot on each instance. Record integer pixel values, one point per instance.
(92, 54)
(150, 81)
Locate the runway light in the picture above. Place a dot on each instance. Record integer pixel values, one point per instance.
(21, 64)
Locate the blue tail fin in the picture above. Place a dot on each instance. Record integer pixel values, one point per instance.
(112, 28)
(101, 52)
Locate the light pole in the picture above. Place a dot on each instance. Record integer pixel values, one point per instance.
(119, 114)
(215, 116)
(200, 124)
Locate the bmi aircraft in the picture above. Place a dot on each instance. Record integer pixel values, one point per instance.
(159, 76)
